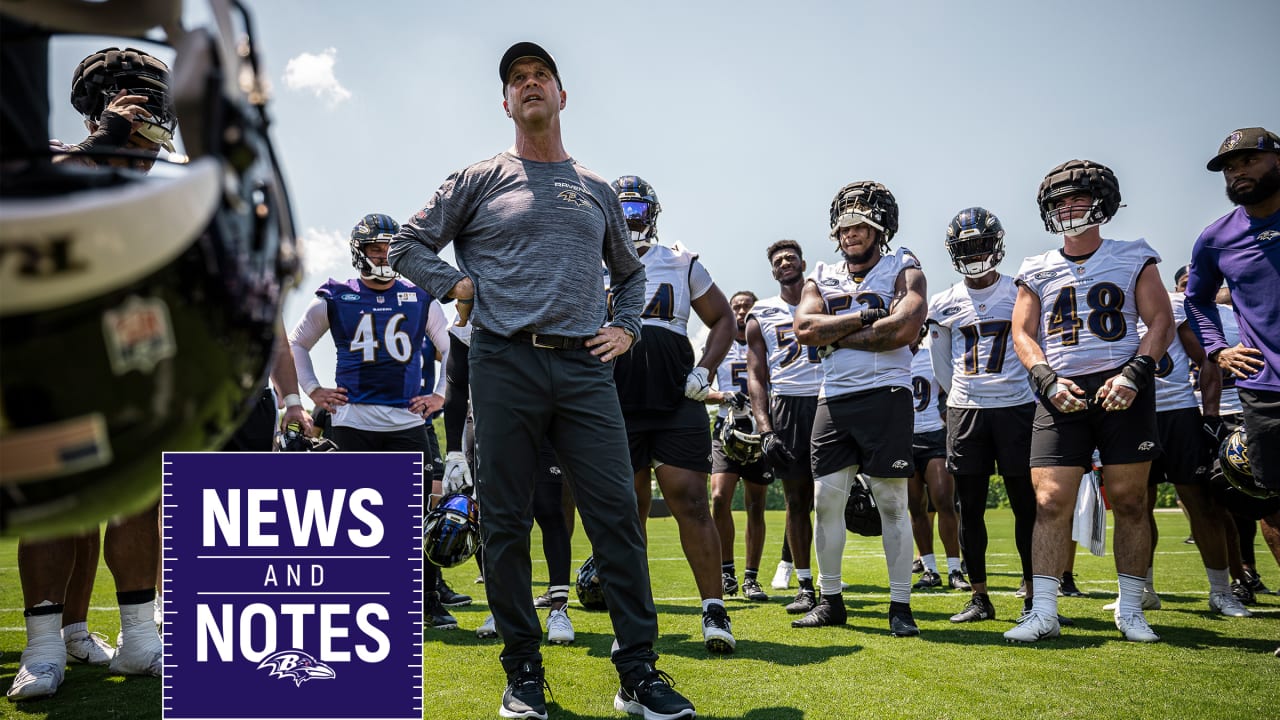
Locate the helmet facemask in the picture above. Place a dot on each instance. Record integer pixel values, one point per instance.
(1063, 220)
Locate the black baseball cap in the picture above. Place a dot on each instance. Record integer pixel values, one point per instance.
(1180, 273)
(1244, 140)
(524, 50)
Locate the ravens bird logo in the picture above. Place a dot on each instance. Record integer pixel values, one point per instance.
(297, 666)
(574, 197)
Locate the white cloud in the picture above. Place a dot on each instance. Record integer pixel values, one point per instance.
(325, 252)
(308, 72)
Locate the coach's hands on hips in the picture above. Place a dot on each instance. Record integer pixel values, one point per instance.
(457, 474)
(464, 295)
(1241, 361)
(609, 342)
(329, 398)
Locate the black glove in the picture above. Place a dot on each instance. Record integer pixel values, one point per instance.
(1140, 371)
(1213, 431)
(774, 449)
(739, 401)
(870, 315)
(1044, 378)
(113, 134)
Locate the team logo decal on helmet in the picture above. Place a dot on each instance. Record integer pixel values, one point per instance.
(975, 240)
(739, 437)
(590, 591)
(640, 206)
(451, 532)
(1233, 458)
(372, 228)
(867, 202)
(1070, 178)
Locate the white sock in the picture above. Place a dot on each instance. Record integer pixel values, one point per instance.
(830, 495)
(1219, 580)
(804, 573)
(895, 521)
(706, 604)
(930, 562)
(785, 565)
(953, 564)
(75, 630)
(44, 638)
(138, 621)
(1130, 601)
(1044, 600)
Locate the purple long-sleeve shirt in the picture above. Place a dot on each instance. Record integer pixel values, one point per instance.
(1245, 251)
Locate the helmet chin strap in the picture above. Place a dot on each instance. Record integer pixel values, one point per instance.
(643, 238)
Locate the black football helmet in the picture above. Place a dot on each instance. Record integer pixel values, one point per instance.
(739, 437)
(1233, 461)
(867, 202)
(99, 77)
(861, 516)
(641, 207)
(590, 591)
(148, 322)
(294, 440)
(1078, 176)
(451, 531)
(372, 228)
(975, 240)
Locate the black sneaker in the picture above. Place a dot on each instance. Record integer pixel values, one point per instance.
(435, 617)
(650, 692)
(543, 601)
(917, 567)
(929, 579)
(449, 598)
(901, 622)
(752, 591)
(957, 582)
(1068, 586)
(979, 608)
(730, 584)
(523, 697)
(1243, 593)
(805, 601)
(717, 631)
(829, 611)
(1254, 581)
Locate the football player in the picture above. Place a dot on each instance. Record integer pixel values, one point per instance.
(1075, 330)
(989, 402)
(862, 313)
(931, 490)
(780, 369)
(662, 392)
(731, 387)
(383, 329)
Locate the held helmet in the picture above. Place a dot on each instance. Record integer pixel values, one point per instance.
(861, 516)
(372, 228)
(149, 321)
(739, 437)
(1078, 176)
(1233, 459)
(867, 202)
(640, 206)
(451, 531)
(975, 240)
(590, 591)
(99, 77)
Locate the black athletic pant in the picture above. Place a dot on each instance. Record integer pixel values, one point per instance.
(549, 514)
(971, 494)
(456, 394)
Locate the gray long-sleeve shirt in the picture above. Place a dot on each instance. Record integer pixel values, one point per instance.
(531, 236)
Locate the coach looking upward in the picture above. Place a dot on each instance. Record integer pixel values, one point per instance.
(530, 226)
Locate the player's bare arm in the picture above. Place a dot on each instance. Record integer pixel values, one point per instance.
(815, 325)
(714, 311)
(758, 375)
(901, 326)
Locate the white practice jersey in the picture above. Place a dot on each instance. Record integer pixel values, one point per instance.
(1173, 370)
(848, 371)
(971, 330)
(1230, 403)
(925, 391)
(731, 376)
(1088, 314)
(794, 369)
(673, 280)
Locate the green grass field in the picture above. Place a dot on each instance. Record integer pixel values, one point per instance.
(1207, 667)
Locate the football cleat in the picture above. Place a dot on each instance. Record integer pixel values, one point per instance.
(89, 648)
(752, 591)
(717, 631)
(1254, 581)
(1032, 627)
(35, 680)
(928, 579)
(449, 598)
(1134, 627)
(901, 622)
(829, 611)
(978, 608)
(559, 627)
(917, 566)
(730, 584)
(650, 692)
(488, 629)
(956, 581)
(435, 616)
(782, 577)
(1068, 586)
(1243, 593)
(524, 696)
(805, 601)
(543, 601)
(139, 654)
(1227, 604)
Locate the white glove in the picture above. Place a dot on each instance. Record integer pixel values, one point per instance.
(457, 475)
(698, 384)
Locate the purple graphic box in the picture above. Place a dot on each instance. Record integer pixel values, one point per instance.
(292, 585)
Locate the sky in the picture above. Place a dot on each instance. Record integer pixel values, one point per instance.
(747, 117)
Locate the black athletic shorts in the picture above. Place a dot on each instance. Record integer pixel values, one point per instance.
(1186, 456)
(1262, 429)
(981, 439)
(792, 420)
(871, 429)
(757, 472)
(681, 438)
(1121, 437)
(926, 446)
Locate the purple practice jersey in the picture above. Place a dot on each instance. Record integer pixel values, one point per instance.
(1245, 251)
(381, 338)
